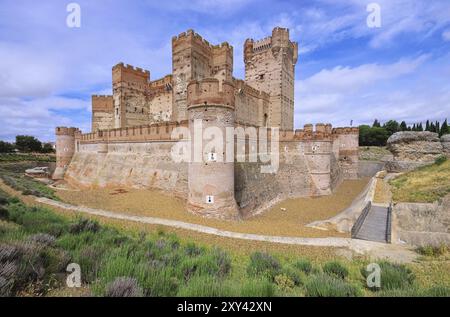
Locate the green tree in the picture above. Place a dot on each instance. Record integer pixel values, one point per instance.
(420, 127)
(391, 126)
(372, 136)
(445, 129)
(427, 126)
(47, 148)
(403, 126)
(376, 124)
(432, 127)
(6, 147)
(27, 143)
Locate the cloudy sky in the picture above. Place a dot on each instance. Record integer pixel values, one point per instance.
(346, 70)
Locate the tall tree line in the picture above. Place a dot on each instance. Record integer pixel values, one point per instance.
(378, 133)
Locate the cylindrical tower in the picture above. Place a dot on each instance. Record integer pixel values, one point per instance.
(211, 172)
(65, 148)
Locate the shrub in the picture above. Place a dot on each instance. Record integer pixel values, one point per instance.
(284, 282)
(393, 276)
(4, 214)
(438, 291)
(223, 262)
(294, 274)
(191, 249)
(84, 225)
(215, 263)
(260, 287)
(336, 268)
(440, 160)
(26, 264)
(161, 282)
(434, 251)
(204, 286)
(263, 264)
(42, 238)
(8, 272)
(303, 265)
(123, 287)
(3, 198)
(324, 285)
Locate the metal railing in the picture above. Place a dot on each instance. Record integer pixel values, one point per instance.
(359, 222)
(389, 224)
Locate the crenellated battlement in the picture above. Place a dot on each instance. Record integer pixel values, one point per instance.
(152, 132)
(242, 87)
(346, 130)
(66, 131)
(162, 82)
(129, 73)
(198, 39)
(210, 91)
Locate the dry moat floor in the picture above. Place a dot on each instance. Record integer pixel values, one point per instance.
(287, 218)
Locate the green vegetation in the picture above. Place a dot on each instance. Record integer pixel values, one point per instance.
(37, 245)
(6, 147)
(373, 153)
(22, 157)
(377, 134)
(336, 268)
(433, 251)
(323, 285)
(425, 184)
(13, 176)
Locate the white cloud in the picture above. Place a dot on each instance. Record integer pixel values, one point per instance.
(346, 79)
(401, 91)
(446, 35)
(203, 6)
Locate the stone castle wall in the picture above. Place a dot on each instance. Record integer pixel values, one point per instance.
(102, 112)
(140, 157)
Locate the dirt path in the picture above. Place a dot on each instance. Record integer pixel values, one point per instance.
(375, 249)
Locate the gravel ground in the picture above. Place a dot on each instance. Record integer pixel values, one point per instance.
(275, 221)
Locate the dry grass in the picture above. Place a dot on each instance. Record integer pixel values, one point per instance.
(373, 153)
(426, 184)
(290, 221)
(382, 192)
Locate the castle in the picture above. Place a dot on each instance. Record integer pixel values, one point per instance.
(133, 130)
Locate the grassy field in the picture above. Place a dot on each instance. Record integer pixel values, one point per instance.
(37, 244)
(12, 174)
(16, 157)
(426, 184)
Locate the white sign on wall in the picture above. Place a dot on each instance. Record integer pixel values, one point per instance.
(210, 199)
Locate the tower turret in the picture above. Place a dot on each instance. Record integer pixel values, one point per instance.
(211, 173)
(270, 67)
(65, 148)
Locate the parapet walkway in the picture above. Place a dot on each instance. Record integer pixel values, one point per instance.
(359, 246)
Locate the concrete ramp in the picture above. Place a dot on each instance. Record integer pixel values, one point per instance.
(374, 224)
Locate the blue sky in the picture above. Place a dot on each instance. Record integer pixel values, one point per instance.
(346, 70)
